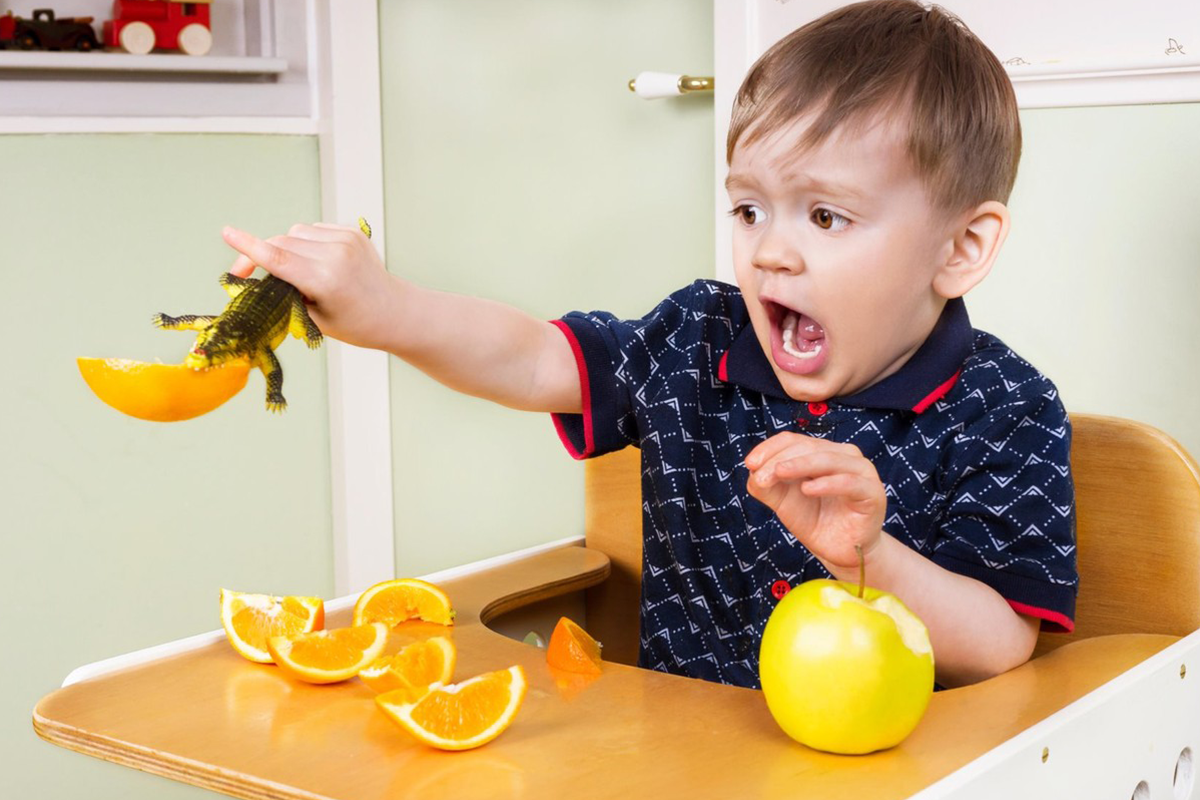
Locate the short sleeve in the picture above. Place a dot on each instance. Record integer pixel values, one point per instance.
(1010, 519)
(619, 362)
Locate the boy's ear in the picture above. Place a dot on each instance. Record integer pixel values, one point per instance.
(977, 237)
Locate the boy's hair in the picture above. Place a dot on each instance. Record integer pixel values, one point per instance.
(964, 135)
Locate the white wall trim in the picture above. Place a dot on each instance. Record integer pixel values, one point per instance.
(733, 35)
(293, 126)
(1105, 84)
(351, 145)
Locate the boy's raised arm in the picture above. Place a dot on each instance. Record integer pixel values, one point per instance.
(475, 346)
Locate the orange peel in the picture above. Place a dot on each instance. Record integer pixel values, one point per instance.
(572, 649)
(329, 656)
(414, 666)
(250, 620)
(396, 601)
(162, 392)
(458, 716)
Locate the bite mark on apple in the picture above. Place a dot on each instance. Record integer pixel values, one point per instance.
(912, 631)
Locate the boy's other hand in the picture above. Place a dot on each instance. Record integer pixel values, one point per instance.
(336, 268)
(826, 493)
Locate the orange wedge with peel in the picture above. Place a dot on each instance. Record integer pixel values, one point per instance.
(459, 716)
(251, 619)
(329, 656)
(162, 392)
(571, 649)
(413, 667)
(393, 602)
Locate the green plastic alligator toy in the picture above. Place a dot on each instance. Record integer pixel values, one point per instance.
(259, 316)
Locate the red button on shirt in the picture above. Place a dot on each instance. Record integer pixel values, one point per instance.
(779, 589)
(817, 409)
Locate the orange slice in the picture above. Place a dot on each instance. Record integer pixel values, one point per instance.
(571, 649)
(393, 602)
(162, 392)
(329, 656)
(251, 619)
(462, 715)
(414, 667)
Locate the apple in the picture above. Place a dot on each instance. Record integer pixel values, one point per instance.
(845, 669)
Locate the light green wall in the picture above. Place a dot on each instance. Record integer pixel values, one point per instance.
(117, 533)
(1099, 281)
(519, 167)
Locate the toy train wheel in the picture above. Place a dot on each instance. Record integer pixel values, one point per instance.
(137, 38)
(27, 42)
(195, 39)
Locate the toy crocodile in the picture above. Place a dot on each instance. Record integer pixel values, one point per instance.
(259, 316)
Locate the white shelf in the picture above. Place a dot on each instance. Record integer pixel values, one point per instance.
(259, 77)
(149, 63)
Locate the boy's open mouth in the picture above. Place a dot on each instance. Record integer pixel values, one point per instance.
(797, 339)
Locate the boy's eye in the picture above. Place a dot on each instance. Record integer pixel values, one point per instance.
(829, 220)
(747, 214)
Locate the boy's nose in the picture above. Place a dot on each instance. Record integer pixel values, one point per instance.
(776, 253)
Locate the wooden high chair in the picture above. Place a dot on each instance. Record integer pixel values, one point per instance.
(1106, 716)
(1138, 507)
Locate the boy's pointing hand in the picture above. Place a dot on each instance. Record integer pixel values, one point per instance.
(826, 493)
(337, 269)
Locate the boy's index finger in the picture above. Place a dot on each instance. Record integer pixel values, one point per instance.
(767, 449)
(799, 443)
(254, 252)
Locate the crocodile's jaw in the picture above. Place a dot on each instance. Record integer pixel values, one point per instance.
(208, 352)
(194, 361)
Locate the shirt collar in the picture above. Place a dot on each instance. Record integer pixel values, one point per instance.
(928, 375)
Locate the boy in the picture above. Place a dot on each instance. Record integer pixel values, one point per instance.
(841, 386)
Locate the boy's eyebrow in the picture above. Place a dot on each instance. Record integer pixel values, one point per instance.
(735, 181)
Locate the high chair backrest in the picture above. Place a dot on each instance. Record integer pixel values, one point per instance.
(1137, 497)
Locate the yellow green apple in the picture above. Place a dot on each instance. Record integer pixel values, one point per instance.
(844, 668)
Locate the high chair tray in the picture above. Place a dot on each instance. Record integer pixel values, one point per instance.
(210, 718)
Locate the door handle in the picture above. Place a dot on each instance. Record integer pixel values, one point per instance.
(653, 85)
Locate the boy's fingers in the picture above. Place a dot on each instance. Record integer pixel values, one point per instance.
(791, 466)
(821, 462)
(851, 487)
(767, 492)
(242, 267)
(770, 448)
(319, 232)
(270, 257)
(773, 447)
(333, 227)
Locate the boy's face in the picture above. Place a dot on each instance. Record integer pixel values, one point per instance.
(835, 249)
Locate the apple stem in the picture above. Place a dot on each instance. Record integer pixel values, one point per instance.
(862, 571)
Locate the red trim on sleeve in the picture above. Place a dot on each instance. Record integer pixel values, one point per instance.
(937, 394)
(723, 367)
(589, 442)
(1062, 620)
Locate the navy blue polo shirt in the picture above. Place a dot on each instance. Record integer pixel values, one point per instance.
(969, 440)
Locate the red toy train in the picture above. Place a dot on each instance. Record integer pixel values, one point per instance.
(137, 26)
